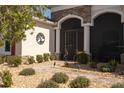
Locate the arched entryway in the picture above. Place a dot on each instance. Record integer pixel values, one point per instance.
(106, 37)
(71, 37)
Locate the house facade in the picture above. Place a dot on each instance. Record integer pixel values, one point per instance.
(38, 41)
(98, 30)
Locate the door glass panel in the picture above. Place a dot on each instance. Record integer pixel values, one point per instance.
(70, 43)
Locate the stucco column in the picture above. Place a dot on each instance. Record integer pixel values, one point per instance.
(87, 39)
(58, 42)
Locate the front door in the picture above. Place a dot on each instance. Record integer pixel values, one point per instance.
(73, 42)
(70, 43)
(71, 38)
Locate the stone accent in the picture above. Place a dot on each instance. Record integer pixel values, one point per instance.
(82, 11)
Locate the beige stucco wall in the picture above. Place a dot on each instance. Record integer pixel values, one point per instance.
(96, 10)
(31, 47)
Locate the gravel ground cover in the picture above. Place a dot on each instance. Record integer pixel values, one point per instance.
(45, 71)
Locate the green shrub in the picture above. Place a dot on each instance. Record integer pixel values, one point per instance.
(39, 58)
(118, 85)
(82, 58)
(1, 59)
(60, 77)
(7, 79)
(48, 84)
(46, 56)
(27, 72)
(52, 56)
(31, 60)
(0, 74)
(105, 68)
(109, 67)
(93, 64)
(14, 60)
(113, 64)
(121, 73)
(79, 82)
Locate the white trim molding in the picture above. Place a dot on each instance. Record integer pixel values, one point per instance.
(62, 7)
(87, 38)
(58, 28)
(68, 17)
(96, 14)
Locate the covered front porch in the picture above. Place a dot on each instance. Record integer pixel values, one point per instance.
(102, 39)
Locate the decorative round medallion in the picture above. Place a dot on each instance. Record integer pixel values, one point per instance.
(40, 38)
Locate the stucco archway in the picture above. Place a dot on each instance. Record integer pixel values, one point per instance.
(58, 30)
(106, 36)
(68, 17)
(98, 13)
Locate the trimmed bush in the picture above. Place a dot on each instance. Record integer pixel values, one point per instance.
(1, 59)
(27, 72)
(79, 82)
(52, 56)
(109, 67)
(0, 74)
(93, 64)
(31, 60)
(7, 79)
(46, 56)
(82, 58)
(118, 85)
(39, 58)
(60, 77)
(14, 60)
(121, 73)
(105, 68)
(113, 63)
(48, 84)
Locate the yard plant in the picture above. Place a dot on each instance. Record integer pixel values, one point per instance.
(1, 59)
(14, 60)
(109, 67)
(80, 82)
(27, 72)
(31, 60)
(48, 84)
(82, 58)
(60, 77)
(39, 58)
(118, 85)
(121, 72)
(46, 56)
(7, 78)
